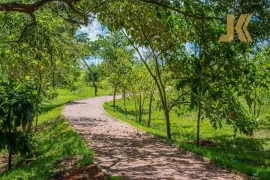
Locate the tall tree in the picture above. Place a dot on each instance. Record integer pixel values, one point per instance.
(117, 60)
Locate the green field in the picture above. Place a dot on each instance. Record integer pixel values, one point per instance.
(248, 155)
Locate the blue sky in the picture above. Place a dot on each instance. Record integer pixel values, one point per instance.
(93, 30)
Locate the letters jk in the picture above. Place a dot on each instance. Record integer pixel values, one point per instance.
(241, 29)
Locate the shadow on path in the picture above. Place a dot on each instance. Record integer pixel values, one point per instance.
(126, 151)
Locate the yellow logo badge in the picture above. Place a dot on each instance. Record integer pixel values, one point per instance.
(241, 29)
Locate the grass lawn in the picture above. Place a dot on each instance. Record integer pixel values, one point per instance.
(244, 154)
(55, 140)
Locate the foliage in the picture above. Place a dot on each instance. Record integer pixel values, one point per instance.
(140, 85)
(257, 85)
(16, 115)
(96, 74)
(117, 60)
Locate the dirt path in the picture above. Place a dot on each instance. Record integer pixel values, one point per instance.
(126, 151)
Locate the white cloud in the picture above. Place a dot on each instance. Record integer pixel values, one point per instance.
(92, 30)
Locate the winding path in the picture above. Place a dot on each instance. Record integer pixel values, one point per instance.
(125, 151)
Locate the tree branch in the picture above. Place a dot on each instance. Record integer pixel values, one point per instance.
(79, 13)
(25, 8)
(184, 13)
(31, 8)
(25, 30)
(175, 102)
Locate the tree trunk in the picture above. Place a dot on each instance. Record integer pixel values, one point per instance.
(92, 76)
(9, 140)
(157, 78)
(136, 106)
(166, 111)
(168, 126)
(93, 81)
(140, 113)
(198, 121)
(114, 95)
(124, 98)
(140, 108)
(150, 113)
(150, 106)
(136, 109)
(95, 86)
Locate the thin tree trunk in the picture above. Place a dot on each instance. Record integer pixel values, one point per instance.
(168, 126)
(136, 105)
(136, 109)
(166, 110)
(92, 76)
(150, 113)
(140, 108)
(93, 81)
(150, 106)
(157, 79)
(162, 93)
(9, 140)
(96, 90)
(124, 98)
(114, 95)
(198, 121)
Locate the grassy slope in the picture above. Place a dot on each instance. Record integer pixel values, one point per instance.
(56, 141)
(244, 154)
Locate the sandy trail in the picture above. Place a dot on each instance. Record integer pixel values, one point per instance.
(126, 151)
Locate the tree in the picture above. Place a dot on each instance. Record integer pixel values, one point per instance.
(16, 113)
(140, 84)
(213, 74)
(117, 61)
(92, 75)
(41, 53)
(158, 41)
(256, 85)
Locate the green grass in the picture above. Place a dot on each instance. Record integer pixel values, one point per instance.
(56, 141)
(54, 144)
(244, 154)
